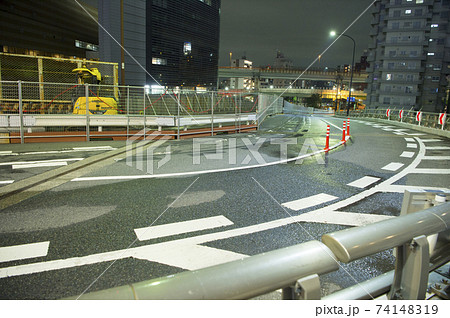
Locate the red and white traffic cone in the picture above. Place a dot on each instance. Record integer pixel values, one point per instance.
(343, 132)
(348, 126)
(327, 140)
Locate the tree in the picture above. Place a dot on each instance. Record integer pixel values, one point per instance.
(314, 101)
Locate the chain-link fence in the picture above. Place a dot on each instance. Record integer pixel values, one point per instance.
(15, 67)
(39, 111)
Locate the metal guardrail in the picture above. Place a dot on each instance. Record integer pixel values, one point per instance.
(25, 112)
(427, 119)
(296, 268)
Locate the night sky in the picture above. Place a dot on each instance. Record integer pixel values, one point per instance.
(298, 28)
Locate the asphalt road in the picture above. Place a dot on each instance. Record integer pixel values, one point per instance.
(90, 233)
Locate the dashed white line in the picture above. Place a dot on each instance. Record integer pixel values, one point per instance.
(6, 181)
(436, 158)
(414, 146)
(308, 202)
(431, 171)
(393, 166)
(38, 162)
(410, 139)
(24, 251)
(40, 165)
(363, 182)
(430, 140)
(164, 230)
(437, 148)
(407, 154)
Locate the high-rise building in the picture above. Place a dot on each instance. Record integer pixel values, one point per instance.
(409, 54)
(169, 42)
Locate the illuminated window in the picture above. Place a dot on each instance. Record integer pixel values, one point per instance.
(388, 77)
(159, 61)
(434, 25)
(407, 11)
(430, 53)
(187, 48)
(419, 1)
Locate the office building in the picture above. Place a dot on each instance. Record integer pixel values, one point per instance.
(172, 43)
(409, 54)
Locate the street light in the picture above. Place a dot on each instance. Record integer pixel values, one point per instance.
(333, 33)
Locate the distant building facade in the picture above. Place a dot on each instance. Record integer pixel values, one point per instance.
(409, 54)
(172, 42)
(59, 28)
(242, 82)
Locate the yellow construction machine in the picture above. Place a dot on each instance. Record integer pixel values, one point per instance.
(97, 104)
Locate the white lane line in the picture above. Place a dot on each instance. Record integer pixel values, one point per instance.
(401, 188)
(436, 158)
(331, 124)
(431, 140)
(64, 151)
(416, 134)
(387, 129)
(437, 148)
(393, 166)
(24, 251)
(200, 172)
(6, 153)
(363, 182)
(343, 218)
(308, 202)
(407, 154)
(414, 146)
(410, 139)
(151, 232)
(93, 148)
(6, 182)
(40, 165)
(191, 257)
(431, 171)
(37, 162)
(399, 133)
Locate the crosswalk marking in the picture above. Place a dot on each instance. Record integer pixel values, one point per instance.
(6, 182)
(190, 257)
(363, 182)
(436, 158)
(342, 218)
(24, 251)
(430, 140)
(407, 154)
(414, 146)
(393, 166)
(437, 148)
(164, 230)
(410, 139)
(308, 202)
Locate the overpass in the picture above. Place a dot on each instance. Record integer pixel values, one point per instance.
(292, 74)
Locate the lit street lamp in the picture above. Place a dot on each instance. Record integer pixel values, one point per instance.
(333, 33)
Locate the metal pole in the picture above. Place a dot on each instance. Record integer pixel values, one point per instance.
(86, 91)
(178, 115)
(240, 112)
(128, 111)
(22, 137)
(212, 113)
(145, 118)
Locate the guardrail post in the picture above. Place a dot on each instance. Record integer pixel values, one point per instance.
(22, 137)
(86, 91)
(327, 140)
(145, 119)
(411, 270)
(343, 131)
(178, 114)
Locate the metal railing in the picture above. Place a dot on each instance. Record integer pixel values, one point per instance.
(52, 110)
(427, 119)
(295, 269)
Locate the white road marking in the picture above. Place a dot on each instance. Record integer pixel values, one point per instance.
(431, 140)
(80, 149)
(407, 154)
(401, 188)
(363, 182)
(190, 173)
(414, 146)
(164, 230)
(201, 239)
(99, 148)
(191, 257)
(331, 124)
(399, 133)
(37, 162)
(24, 251)
(40, 165)
(308, 202)
(410, 139)
(6, 153)
(6, 182)
(437, 148)
(417, 134)
(431, 171)
(436, 158)
(343, 218)
(393, 166)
